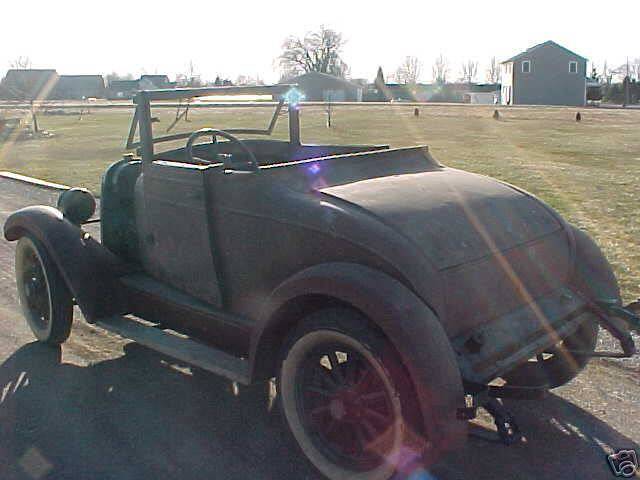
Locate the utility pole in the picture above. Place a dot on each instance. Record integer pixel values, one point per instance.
(626, 87)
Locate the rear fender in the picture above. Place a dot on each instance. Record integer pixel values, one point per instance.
(408, 323)
(89, 270)
(593, 275)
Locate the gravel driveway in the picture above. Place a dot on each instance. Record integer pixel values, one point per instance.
(105, 408)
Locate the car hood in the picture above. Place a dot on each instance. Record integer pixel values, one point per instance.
(454, 217)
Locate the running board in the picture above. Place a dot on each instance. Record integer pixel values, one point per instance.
(178, 347)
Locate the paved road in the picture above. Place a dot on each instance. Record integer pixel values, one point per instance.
(104, 408)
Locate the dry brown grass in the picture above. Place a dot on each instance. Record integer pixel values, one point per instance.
(589, 171)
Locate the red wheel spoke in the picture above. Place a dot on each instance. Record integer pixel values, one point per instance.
(364, 379)
(351, 371)
(319, 410)
(331, 425)
(374, 396)
(369, 429)
(318, 390)
(377, 415)
(346, 404)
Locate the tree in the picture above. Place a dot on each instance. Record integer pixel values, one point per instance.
(409, 71)
(248, 80)
(607, 76)
(110, 77)
(380, 81)
(440, 70)
(189, 78)
(634, 68)
(21, 63)
(318, 51)
(469, 71)
(494, 72)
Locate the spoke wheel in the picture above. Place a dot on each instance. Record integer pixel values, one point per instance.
(44, 298)
(345, 402)
(345, 398)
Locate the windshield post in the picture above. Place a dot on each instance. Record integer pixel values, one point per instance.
(144, 125)
(294, 124)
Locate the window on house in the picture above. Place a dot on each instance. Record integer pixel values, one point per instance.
(526, 66)
(573, 67)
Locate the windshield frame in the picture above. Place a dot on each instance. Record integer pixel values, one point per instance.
(142, 119)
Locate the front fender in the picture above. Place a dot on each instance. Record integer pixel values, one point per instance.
(408, 323)
(88, 268)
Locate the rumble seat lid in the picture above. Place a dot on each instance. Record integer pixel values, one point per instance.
(453, 216)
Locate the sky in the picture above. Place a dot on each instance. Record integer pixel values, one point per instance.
(245, 38)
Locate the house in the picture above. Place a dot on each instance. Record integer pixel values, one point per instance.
(401, 92)
(322, 87)
(483, 94)
(126, 89)
(78, 87)
(546, 74)
(154, 82)
(481, 98)
(122, 89)
(28, 84)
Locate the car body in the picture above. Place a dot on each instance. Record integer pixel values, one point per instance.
(234, 243)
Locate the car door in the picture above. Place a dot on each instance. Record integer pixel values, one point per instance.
(178, 247)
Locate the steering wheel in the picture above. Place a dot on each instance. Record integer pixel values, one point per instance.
(219, 133)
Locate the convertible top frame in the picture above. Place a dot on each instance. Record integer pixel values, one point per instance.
(142, 119)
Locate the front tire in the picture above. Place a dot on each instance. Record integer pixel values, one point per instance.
(42, 292)
(346, 397)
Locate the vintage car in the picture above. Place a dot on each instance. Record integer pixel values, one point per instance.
(388, 295)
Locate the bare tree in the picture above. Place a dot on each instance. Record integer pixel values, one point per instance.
(440, 70)
(607, 75)
(494, 72)
(409, 71)
(110, 77)
(248, 80)
(190, 78)
(469, 71)
(21, 63)
(318, 51)
(634, 68)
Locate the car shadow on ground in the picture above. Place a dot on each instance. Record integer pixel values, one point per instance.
(140, 416)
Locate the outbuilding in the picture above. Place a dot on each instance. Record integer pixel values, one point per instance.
(322, 87)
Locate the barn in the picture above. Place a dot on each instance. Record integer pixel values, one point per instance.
(122, 89)
(322, 87)
(153, 82)
(78, 87)
(28, 84)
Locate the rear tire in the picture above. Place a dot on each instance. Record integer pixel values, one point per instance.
(42, 292)
(562, 366)
(346, 397)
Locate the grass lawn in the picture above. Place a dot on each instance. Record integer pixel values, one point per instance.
(589, 171)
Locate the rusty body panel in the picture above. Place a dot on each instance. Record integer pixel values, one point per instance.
(234, 242)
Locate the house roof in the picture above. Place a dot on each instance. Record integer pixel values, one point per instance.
(323, 77)
(21, 72)
(81, 80)
(73, 86)
(157, 80)
(548, 43)
(164, 78)
(125, 84)
(28, 83)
